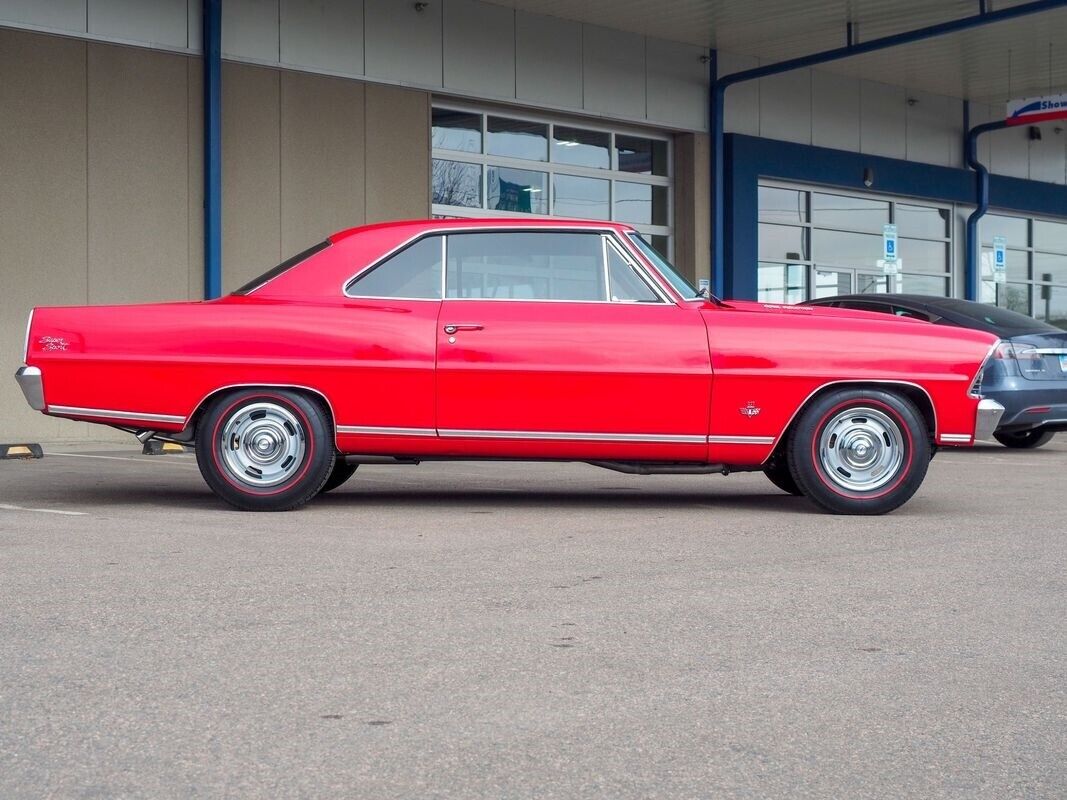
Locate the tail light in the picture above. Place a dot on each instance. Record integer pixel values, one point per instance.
(996, 351)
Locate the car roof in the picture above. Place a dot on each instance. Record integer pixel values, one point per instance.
(916, 300)
(419, 225)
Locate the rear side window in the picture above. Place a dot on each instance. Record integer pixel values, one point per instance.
(414, 273)
(526, 266)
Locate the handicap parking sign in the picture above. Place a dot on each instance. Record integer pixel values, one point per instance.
(1000, 259)
(889, 243)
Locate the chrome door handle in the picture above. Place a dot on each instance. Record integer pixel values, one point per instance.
(462, 326)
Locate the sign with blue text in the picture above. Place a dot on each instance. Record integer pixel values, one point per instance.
(889, 243)
(1000, 259)
(1031, 110)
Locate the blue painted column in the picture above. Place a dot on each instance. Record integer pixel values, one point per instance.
(972, 276)
(212, 29)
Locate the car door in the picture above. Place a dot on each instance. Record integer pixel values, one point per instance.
(555, 343)
(389, 319)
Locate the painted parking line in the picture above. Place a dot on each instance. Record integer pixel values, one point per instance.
(152, 460)
(9, 507)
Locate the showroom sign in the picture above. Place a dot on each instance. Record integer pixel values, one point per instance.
(1030, 110)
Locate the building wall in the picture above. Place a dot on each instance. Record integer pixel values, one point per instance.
(824, 109)
(461, 47)
(101, 158)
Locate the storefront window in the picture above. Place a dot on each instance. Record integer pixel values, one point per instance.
(502, 165)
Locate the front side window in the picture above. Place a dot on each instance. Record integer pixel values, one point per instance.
(666, 269)
(625, 285)
(525, 266)
(414, 274)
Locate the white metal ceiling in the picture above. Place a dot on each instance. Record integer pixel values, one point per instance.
(990, 64)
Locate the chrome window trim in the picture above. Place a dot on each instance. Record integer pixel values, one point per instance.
(76, 411)
(637, 267)
(444, 231)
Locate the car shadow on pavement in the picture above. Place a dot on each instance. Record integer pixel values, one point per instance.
(89, 498)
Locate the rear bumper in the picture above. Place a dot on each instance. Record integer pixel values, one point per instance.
(29, 380)
(1027, 408)
(988, 418)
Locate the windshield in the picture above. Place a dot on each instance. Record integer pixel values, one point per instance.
(996, 320)
(680, 284)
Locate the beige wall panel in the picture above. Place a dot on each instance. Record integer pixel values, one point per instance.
(195, 177)
(138, 175)
(692, 208)
(322, 142)
(42, 205)
(397, 153)
(251, 197)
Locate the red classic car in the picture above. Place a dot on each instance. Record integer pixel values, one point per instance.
(507, 339)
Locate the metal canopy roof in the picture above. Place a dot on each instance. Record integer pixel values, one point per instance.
(993, 63)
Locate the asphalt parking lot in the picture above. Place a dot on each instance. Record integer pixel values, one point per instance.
(513, 630)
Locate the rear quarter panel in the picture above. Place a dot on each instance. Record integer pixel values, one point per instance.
(776, 358)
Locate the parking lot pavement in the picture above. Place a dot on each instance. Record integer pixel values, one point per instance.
(514, 630)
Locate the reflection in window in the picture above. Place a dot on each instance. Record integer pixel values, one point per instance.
(924, 222)
(918, 255)
(1052, 305)
(1048, 268)
(830, 283)
(414, 272)
(457, 130)
(456, 183)
(1050, 235)
(624, 284)
(850, 213)
(517, 190)
(1018, 264)
(782, 205)
(644, 156)
(782, 243)
(924, 284)
(1014, 229)
(580, 197)
(640, 204)
(526, 266)
(516, 138)
(580, 147)
(781, 283)
(848, 249)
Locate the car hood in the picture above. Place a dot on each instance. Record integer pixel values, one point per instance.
(817, 311)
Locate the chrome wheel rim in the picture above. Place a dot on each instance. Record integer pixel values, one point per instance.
(861, 449)
(262, 445)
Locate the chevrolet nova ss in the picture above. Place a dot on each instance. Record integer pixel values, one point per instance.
(505, 339)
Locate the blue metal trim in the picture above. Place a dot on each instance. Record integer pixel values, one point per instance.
(212, 29)
(749, 158)
(971, 273)
(718, 98)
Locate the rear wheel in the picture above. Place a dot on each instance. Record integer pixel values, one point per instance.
(265, 449)
(859, 451)
(341, 473)
(1027, 440)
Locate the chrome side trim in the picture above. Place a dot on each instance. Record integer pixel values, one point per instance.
(370, 430)
(987, 418)
(29, 380)
(26, 342)
(955, 438)
(818, 389)
(740, 440)
(75, 411)
(567, 436)
(1051, 351)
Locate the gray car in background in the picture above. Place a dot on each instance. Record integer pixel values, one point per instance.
(1027, 375)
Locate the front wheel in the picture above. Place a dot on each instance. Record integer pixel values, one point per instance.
(859, 451)
(1027, 440)
(265, 449)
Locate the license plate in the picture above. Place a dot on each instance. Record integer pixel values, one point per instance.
(1063, 363)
